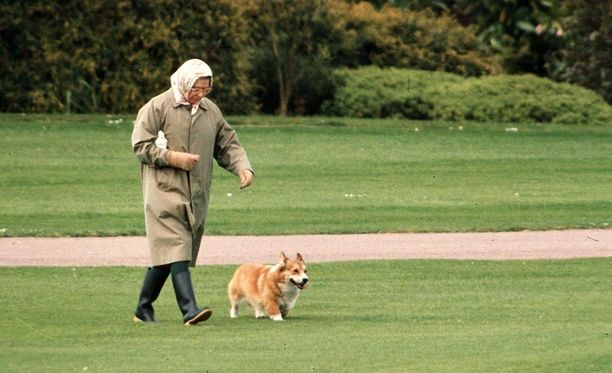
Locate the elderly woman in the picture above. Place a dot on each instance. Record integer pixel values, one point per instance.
(176, 136)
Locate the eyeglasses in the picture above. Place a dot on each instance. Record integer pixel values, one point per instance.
(204, 90)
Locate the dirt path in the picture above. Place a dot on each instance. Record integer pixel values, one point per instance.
(132, 251)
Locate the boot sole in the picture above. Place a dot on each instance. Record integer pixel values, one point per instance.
(139, 320)
(202, 316)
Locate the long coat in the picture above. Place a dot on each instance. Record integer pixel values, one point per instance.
(176, 201)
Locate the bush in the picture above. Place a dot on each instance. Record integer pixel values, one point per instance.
(410, 39)
(112, 56)
(585, 58)
(297, 43)
(374, 92)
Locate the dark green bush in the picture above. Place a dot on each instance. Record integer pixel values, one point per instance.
(374, 92)
(397, 37)
(270, 55)
(585, 58)
(112, 56)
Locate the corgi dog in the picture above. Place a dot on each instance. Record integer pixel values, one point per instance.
(272, 290)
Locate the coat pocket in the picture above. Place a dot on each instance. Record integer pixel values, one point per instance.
(189, 216)
(170, 179)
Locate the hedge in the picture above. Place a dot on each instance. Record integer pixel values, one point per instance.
(112, 56)
(372, 92)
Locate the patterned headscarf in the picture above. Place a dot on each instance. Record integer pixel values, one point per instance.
(185, 77)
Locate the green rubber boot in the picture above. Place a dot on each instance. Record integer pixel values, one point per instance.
(152, 285)
(185, 298)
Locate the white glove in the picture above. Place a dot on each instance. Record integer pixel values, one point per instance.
(161, 141)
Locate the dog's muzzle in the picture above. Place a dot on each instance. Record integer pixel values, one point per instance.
(299, 285)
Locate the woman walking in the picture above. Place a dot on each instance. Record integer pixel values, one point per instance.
(176, 137)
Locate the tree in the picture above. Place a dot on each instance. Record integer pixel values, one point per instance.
(418, 39)
(290, 39)
(585, 58)
(524, 32)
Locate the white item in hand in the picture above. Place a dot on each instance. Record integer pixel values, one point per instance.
(161, 141)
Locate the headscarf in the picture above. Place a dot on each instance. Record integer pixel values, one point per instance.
(185, 77)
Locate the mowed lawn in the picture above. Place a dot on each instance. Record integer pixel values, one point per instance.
(76, 175)
(373, 316)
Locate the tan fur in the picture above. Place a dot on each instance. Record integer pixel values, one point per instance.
(271, 290)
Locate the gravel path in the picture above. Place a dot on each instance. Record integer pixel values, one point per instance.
(132, 251)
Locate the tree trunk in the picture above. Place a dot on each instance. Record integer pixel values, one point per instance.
(283, 99)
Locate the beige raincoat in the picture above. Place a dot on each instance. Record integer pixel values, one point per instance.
(176, 201)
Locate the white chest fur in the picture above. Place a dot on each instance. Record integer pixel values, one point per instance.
(289, 296)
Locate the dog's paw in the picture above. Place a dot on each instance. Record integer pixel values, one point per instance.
(278, 317)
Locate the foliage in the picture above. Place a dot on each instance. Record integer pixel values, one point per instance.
(76, 175)
(402, 38)
(291, 40)
(585, 58)
(274, 56)
(485, 316)
(279, 56)
(112, 56)
(525, 33)
(373, 92)
(566, 40)
(521, 98)
(298, 43)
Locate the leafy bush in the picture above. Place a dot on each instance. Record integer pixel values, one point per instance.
(585, 58)
(298, 43)
(404, 38)
(374, 92)
(272, 55)
(112, 56)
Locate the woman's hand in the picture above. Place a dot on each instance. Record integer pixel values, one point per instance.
(185, 161)
(246, 178)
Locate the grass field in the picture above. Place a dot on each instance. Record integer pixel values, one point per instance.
(76, 175)
(377, 316)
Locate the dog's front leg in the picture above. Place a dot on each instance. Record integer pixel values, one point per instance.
(277, 317)
(273, 311)
(259, 311)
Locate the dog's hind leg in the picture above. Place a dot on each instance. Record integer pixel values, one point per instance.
(235, 297)
(234, 310)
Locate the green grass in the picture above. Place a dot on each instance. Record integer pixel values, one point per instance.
(372, 316)
(76, 175)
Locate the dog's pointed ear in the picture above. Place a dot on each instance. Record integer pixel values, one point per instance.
(283, 258)
(299, 258)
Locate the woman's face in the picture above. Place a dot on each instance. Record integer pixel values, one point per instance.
(201, 88)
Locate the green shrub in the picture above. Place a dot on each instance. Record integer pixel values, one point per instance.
(585, 57)
(391, 36)
(113, 56)
(372, 92)
(521, 98)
